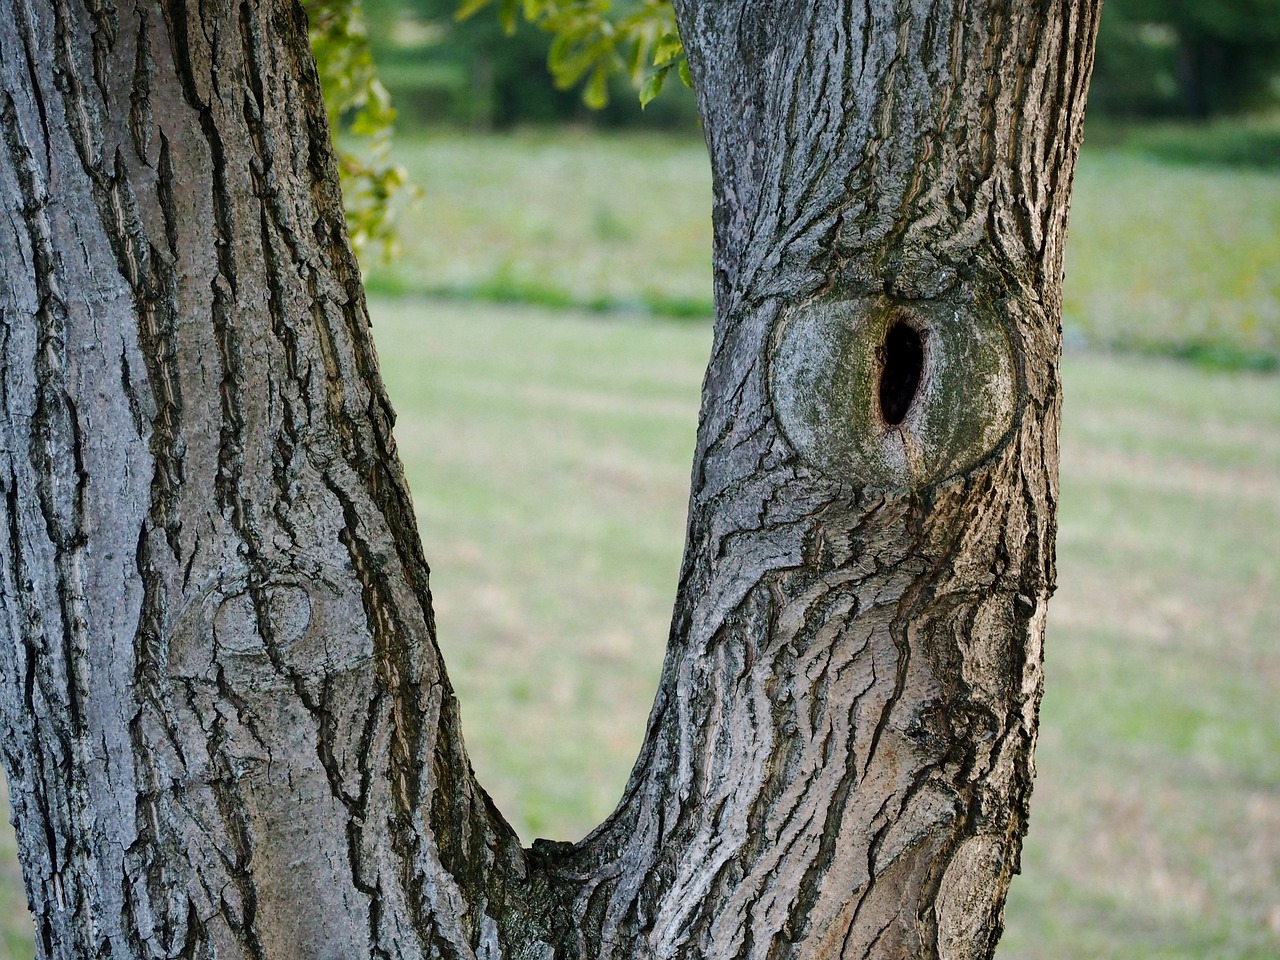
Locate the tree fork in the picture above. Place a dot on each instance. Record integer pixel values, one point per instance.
(227, 726)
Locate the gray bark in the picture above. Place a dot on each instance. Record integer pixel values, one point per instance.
(227, 726)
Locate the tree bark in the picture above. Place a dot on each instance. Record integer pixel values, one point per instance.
(227, 726)
(228, 730)
(840, 756)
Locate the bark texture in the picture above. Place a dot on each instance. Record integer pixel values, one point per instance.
(227, 727)
(839, 760)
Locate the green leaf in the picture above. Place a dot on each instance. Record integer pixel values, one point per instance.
(592, 40)
(667, 49)
(684, 73)
(596, 93)
(509, 15)
(360, 116)
(638, 58)
(653, 85)
(469, 8)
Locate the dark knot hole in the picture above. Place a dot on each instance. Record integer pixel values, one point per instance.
(903, 365)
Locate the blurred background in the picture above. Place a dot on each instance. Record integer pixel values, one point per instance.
(543, 333)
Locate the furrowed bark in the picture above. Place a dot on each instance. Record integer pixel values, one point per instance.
(227, 727)
(840, 755)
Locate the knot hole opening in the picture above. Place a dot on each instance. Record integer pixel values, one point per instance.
(902, 366)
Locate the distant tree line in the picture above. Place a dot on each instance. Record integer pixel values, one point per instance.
(1190, 59)
(1187, 58)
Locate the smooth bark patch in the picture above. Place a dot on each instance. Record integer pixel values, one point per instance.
(894, 394)
(263, 635)
(963, 906)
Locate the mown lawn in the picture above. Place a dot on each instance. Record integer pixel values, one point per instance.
(549, 456)
(549, 453)
(558, 218)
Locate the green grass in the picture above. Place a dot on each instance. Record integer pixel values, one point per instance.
(1175, 259)
(550, 453)
(549, 457)
(16, 933)
(1156, 820)
(1225, 142)
(619, 222)
(1165, 258)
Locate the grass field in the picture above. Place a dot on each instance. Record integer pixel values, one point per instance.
(1165, 257)
(549, 452)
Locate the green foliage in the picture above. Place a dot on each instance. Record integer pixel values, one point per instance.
(472, 74)
(667, 55)
(593, 41)
(1241, 21)
(360, 115)
(1195, 58)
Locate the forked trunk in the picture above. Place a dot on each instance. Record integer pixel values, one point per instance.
(227, 727)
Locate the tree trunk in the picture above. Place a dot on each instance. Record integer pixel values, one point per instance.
(229, 732)
(227, 726)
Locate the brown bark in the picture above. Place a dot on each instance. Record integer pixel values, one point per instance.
(228, 729)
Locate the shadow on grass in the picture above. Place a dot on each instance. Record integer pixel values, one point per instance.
(1223, 144)
(501, 288)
